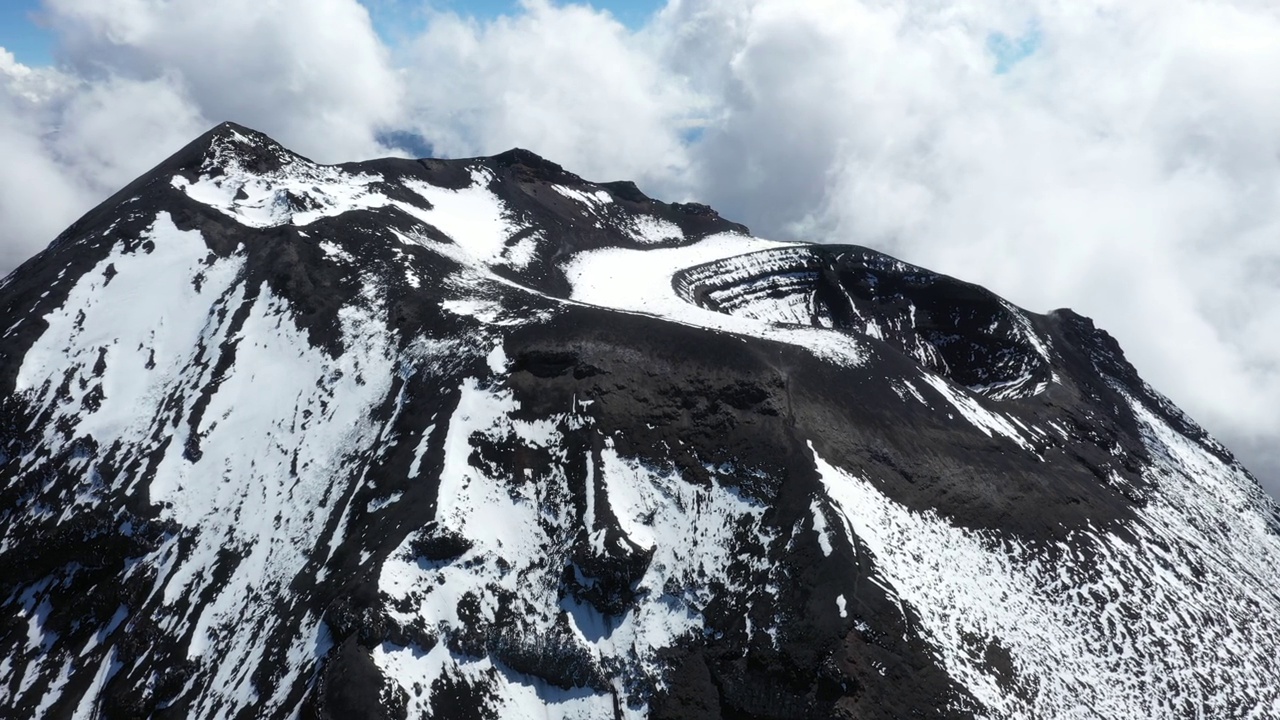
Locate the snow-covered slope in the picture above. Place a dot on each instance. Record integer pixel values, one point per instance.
(480, 439)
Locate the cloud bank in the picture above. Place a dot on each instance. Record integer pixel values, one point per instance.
(1120, 158)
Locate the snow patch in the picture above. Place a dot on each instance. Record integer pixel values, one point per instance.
(820, 527)
(594, 201)
(640, 281)
(299, 194)
(650, 230)
(987, 421)
(473, 217)
(1082, 642)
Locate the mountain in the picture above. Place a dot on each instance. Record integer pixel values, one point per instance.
(481, 439)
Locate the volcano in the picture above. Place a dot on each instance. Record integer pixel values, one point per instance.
(481, 439)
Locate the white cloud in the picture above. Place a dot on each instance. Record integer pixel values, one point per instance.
(37, 198)
(570, 83)
(68, 143)
(1118, 158)
(312, 71)
(110, 128)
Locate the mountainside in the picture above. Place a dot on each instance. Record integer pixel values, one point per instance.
(481, 439)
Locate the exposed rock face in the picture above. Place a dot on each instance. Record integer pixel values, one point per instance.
(481, 439)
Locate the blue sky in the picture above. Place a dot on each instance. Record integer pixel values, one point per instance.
(21, 34)
(1010, 51)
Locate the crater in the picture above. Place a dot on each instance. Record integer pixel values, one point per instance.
(952, 328)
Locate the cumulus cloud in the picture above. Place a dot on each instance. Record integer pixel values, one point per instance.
(313, 71)
(35, 195)
(568, 82)
(1118, 158)
(68, 143)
